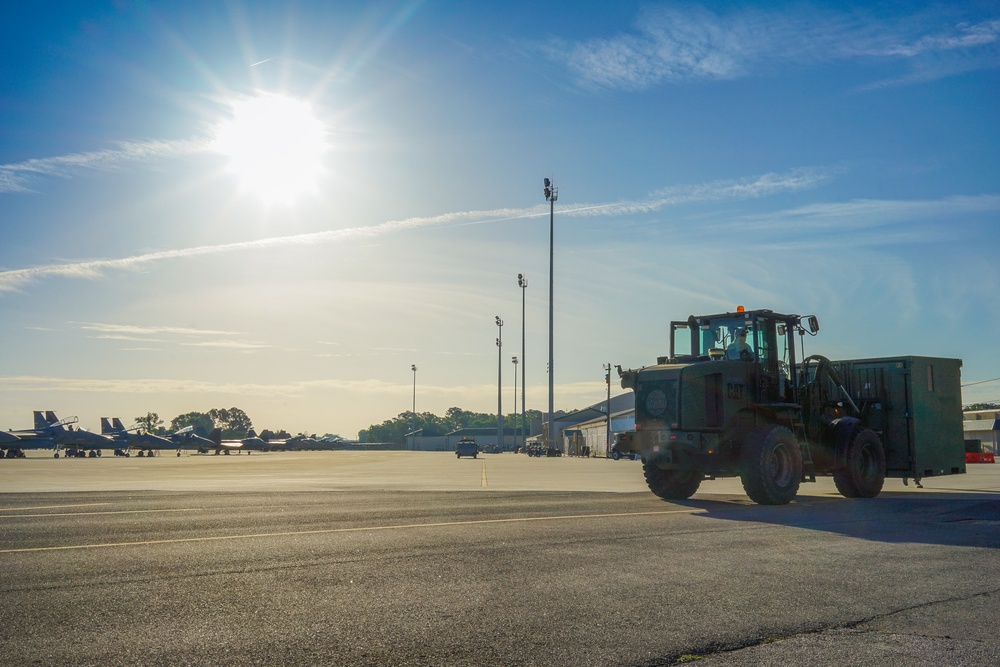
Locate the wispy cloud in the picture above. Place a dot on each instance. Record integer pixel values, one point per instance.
(16, 177)
(167, 335)
(676, 44)
(125, 329)
(761, 186)
(240, 345)
(867, 213)
(370, 387)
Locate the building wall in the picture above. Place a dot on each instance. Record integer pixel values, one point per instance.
(593, 434)
(981, 425)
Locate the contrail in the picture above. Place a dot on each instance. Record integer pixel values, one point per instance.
(764, 185)
(13, 177)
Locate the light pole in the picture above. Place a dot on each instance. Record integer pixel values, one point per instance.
(522, 282)
(499, 383)
(413, 412)
(514, 361)
(607, 380)
(551, 195)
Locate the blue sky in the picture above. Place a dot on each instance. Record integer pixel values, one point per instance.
(827, 158)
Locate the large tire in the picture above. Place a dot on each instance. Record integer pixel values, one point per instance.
(861, 472)
(771, 466)
(671, 484)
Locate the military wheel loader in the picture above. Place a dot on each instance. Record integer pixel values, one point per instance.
(734, 399)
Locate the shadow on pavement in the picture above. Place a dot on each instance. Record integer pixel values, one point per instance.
(954, 519)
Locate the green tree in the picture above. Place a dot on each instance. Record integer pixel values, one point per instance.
(151, 423)
(982, 406)
(394, 430)
(234, 422)
(200, 421)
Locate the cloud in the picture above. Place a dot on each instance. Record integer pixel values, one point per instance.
(125, 329)
(761, 186)
(15, 177)
(679, 44)
(186, 336)
(371, 387)
(950, 38)
(377, 390)
(866, 213)
(231, 345)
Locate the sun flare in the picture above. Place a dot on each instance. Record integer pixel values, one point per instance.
(275, 146)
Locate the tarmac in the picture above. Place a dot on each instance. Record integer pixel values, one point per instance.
(500, 560)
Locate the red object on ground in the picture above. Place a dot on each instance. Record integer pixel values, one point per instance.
(979, 457)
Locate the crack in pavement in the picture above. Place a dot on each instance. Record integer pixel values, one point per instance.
(852, 629)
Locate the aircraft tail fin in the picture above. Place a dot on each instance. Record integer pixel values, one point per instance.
(40, 422)
(106, 426)
(50, 417)
(118, 424)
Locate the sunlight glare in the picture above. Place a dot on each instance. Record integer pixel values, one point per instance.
(275, 146)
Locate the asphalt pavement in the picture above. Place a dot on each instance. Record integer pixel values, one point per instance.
(407, 558)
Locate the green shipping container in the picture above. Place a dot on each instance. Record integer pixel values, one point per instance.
(915, 405)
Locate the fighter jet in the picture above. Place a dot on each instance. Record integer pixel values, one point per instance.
(78, 442)
(252, 442)
(50, 432)
(14, 443)
(125, 440)
(301, 441)
(186, 438)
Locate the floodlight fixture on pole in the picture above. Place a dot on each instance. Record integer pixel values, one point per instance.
(551, 195)
(522, 282)
(499, 382)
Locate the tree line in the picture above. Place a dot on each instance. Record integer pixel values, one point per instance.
(394, 430)
(233, 422)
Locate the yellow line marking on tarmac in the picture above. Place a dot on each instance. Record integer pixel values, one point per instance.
(180, 509)
(360, 529)
(49, 507)
(485, 483)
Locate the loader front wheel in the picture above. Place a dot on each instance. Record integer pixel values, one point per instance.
(671, 484)
(861, 472)
(771, 466)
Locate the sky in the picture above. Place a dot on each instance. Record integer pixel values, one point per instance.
(283, 207)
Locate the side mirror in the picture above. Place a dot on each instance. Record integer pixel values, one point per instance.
(813, 324)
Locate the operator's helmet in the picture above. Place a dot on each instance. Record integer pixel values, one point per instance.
(741, 332)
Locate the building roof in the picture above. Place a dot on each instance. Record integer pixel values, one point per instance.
(619, 404)
(970, 425)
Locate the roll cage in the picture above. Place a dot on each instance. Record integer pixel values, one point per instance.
(770, 344)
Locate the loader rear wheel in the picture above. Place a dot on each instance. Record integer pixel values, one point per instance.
(771, 466)
(671, 484)
(862, 473)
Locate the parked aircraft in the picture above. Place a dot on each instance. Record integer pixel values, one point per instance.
(301, 441)
(145, 443)
(14, 443)
(186, 438)
(76, 442)
(252, 442)
(50, 432)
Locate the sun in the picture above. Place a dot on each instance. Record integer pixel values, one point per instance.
(275, 146)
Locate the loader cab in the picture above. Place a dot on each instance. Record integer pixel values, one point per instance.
(765, 357)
